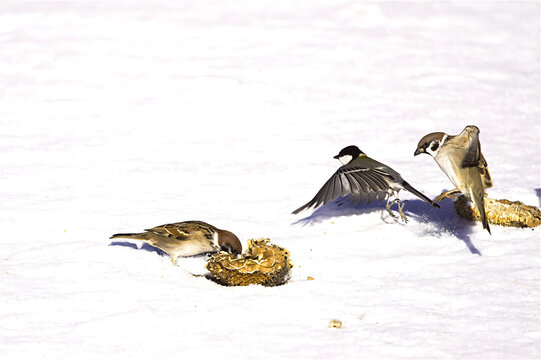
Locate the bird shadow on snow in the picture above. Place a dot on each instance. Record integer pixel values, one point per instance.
(538, 193)
(435, 221)
(149, 248)
(144, 247)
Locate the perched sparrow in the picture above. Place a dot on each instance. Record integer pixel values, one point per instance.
(363, 179)
(460, 158)
(187, 238)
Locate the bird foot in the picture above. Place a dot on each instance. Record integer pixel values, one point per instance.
(447, 194)
(401, 212)
(388, 208)
(400, 209)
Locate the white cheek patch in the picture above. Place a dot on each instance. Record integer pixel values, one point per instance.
(345, 159)
(431, 151)
(437, 144)
(215, 239)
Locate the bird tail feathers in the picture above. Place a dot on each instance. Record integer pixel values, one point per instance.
(479, 202)
(417, 193)
(137, 236)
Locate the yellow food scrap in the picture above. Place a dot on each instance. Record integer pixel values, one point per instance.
(262, 263)
(335, 324)
(501, 212)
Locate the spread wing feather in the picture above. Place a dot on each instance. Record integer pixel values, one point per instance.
(473, 152)
(362, 183)
(378, 181)
(485, 175)
(474, 157)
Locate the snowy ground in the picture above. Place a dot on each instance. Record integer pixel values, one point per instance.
(118, 116)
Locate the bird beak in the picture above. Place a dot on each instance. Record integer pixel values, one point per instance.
(418, 151)
(336, 156)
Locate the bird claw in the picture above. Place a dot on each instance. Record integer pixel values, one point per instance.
(447, 194)
(388, 208)
(439, 198)
(401, 212)
(400, 209)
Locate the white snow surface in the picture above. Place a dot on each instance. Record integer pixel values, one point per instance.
(120, 116)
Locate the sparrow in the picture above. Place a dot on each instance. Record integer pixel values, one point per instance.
(362, 178)
(187, 238)
(460, 158)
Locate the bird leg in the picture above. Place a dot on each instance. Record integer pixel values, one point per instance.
(446, 194)
(400, 208)
(389, 204)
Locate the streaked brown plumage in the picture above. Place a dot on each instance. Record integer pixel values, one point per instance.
(187, 238)
(460, 158)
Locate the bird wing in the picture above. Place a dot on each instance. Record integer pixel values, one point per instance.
(485, 175)
(179, 231)
(365, 184)
(473, 150)
(356, 200)
(474, 158)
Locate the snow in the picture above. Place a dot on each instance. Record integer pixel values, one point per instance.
(119, 116)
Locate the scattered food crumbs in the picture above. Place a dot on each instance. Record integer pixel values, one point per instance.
(335, 324)
(309, 278)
